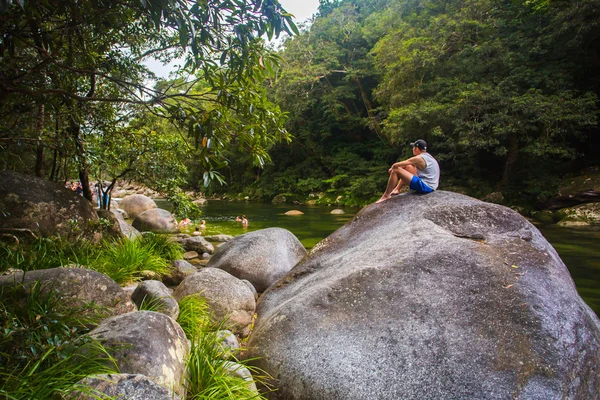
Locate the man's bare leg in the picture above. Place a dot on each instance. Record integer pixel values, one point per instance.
(412, 170)
(397, 175)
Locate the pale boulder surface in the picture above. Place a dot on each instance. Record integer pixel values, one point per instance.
(147, 343)
(261, 257)
(76, 287)
(136, 204)
(436, 296)
(156, 220)
(126, 386)
(228, 298)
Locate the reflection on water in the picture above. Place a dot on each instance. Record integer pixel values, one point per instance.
(579, 249)
(315, 224)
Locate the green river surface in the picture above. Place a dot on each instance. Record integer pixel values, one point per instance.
(578, 248)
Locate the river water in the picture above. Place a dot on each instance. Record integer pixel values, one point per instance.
(578, 248)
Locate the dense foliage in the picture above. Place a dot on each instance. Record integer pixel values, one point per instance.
(77, 98)
(505, 92)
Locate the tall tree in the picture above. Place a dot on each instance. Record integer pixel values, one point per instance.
(74, 57)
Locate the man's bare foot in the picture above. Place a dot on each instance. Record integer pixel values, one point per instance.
(395, 192)
(382, 199)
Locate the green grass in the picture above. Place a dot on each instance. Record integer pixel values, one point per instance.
(43, 350)
(124, 260)
(194, 316)
(46, 253)
(208, 375)
(162, 245)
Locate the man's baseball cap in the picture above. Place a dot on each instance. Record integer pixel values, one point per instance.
(421, 144)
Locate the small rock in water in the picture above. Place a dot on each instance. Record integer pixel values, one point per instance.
(190, 255)
(294, 212)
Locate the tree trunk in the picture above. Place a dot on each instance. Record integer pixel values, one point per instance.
(369, 108)
(55, 158)
(83, 169)
(511, 160)
(39, 157)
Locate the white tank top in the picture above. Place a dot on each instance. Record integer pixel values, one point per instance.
(431, 174)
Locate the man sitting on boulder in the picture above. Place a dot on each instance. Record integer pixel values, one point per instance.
(421, 173)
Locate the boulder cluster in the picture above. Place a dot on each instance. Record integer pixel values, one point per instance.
(150, 347)
(437, 296)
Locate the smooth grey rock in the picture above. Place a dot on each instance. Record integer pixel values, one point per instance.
(337, 211)
(180, 269)
(238, 370)
(136, 204)
(76, 287)
(251, 287)
(197, 244)
(156, 293)
(126, 386)
(261, 257)
(127, 230)
(31, 205)
(156, 220)
(219, 238)
(437, 296)
(205, 256)
(147, 343)
(227, 297)
(229, 343)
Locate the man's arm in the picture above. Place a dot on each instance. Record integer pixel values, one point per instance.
(417, 161)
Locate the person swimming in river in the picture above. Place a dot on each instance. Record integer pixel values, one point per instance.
(185, 222)
(238, 219)
(420, 172)
(244, 222)
(202, 224)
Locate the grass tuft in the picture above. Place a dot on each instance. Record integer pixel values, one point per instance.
(43, 350)
(124, 260)
(209, 372)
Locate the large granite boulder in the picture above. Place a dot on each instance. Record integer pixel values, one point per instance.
(33, 206)
(156, 220)
(76, 287)
(228, 298)
(136, 204)
(147, 343)
(261, 257)
(125, 386)
(436, 296)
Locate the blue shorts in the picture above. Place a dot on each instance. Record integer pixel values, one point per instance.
(418, 186)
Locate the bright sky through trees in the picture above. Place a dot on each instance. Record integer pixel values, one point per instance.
(301, 9)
